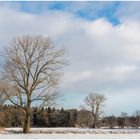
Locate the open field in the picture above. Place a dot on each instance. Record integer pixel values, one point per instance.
(71, 133)
(70, 136)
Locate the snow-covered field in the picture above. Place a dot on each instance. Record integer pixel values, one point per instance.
(70, 136)
(70, 133)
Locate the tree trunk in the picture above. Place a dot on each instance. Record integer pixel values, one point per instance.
(94, 125)
(26, 128)
(94, 122)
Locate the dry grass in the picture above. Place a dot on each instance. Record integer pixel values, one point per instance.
(1, 128)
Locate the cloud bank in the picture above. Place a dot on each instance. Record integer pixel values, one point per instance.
(103, 57)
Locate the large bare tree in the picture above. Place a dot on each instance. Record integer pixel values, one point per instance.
(95, 101)
(31, 73)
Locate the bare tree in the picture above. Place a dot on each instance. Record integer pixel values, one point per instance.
(31, 73)
(95, 101)
(137, 118)
(125, 120)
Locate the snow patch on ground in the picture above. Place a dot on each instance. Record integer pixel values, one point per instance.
(70, 136)
(73, 131)
(70, 133)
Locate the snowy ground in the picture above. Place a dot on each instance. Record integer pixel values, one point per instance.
(70, 136)
(70, 133)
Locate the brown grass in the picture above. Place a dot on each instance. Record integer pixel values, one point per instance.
(1, 128)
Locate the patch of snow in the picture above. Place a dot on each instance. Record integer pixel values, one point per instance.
(72, 130)
(71, 133)
(70, 136)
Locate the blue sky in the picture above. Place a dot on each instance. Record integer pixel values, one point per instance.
(103, 44)
(84, 11)
(107, 11)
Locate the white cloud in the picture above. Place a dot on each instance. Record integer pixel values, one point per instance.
(99, 27)
(72, 77)
(121, 73)
(124, 69)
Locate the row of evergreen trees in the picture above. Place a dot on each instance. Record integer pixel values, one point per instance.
(10, 116)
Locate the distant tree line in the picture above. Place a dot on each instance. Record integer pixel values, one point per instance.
(10, 116)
